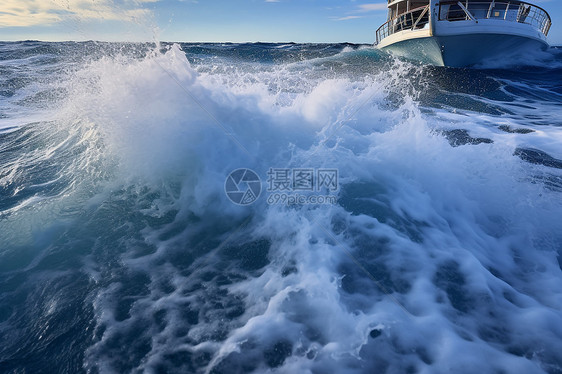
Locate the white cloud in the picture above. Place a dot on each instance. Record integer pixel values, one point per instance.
(362, 8)
(21, 13)
(372, 7)
(347, 18)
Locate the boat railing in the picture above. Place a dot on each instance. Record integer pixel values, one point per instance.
(413, 20)
(514, 11)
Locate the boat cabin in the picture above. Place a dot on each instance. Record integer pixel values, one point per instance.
(399, 7)
(408, 14)
(415, 15)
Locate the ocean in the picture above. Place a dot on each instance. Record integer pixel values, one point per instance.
(277, 208)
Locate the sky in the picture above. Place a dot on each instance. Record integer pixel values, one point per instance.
(326, 21)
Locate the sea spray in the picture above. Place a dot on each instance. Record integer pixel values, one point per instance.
(121, 251)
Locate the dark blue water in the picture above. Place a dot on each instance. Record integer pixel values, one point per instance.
(429, 240)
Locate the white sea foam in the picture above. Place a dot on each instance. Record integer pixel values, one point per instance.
(437, 258)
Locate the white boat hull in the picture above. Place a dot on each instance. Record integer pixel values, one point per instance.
(463, 50)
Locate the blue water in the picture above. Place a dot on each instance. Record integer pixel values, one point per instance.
(120, 251)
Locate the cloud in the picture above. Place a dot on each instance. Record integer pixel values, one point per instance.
(363, 8)
(347, 18)
(271, 1)
(22, 13)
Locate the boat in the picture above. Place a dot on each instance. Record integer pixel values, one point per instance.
(462, 33)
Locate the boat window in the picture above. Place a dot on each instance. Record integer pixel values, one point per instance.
(456, 13)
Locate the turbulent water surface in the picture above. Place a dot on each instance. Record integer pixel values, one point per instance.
(120, 251)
